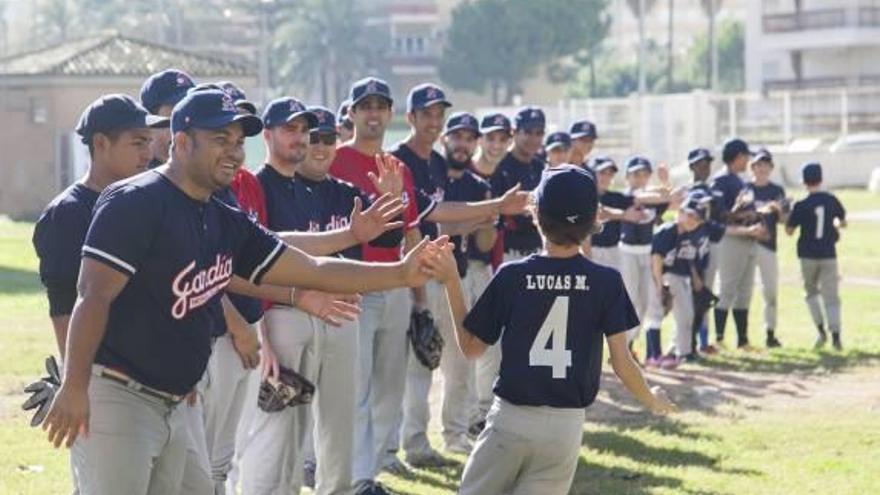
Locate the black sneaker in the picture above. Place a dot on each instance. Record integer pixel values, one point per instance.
(835, 342)
(371, 488)
(821, 339)
(309, 469)
(773, 342)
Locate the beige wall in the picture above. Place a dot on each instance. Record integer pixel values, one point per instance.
(30, 158)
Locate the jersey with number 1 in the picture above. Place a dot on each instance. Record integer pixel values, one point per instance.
(551, 315)
(815, 216)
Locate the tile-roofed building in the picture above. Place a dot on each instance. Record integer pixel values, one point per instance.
(43, 92)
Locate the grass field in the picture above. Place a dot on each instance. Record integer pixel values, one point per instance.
(782, 422)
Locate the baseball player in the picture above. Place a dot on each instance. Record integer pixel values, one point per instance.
(292, 337)
(344, 125)
(159, 253)
(382, 344)
(558, 148)
(495, 134)
(635, 237)
(550, 312)
(770, 202)
(674, 251)
(159, 93)
(118, 133)
(819, 216)
(583, 138)
(736, 254)
(614, 206)
(426, 107)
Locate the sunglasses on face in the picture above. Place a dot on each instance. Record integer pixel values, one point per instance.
(322, 138)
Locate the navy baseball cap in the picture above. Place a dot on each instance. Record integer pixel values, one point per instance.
(326, 119)
(425, 95)
(812, 173)
(211, 109)
(557, 139)
(762, 154)
(115, 112)
(638, 162)
(238, 96)
(697, 203)
(732, 148)
(461, 120)
(370, 86)
(530, 118)
(698, 154)
(583, 128)
(495, 122)
(283, 110)
(602, 162)
(165, 88)
(567, 194)
(342, 114)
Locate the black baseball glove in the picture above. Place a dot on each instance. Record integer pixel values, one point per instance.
(290, 389)
(666, 299)
(427, 343)
(704, 298)
(42, 392)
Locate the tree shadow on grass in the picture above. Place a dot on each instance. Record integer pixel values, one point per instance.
(18, 281)
(785, 361)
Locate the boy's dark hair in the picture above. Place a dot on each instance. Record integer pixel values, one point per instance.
(565, 234)
(812, 182)
(111, 135)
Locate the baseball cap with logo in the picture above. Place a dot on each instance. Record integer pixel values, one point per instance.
(238, 96)
(602, 162)
(425, 95)
(557, 139)
(698, 154)
(326, 120)
(583, 128)
(342, 113)
(461, 121)
(812, 173)
(567, 194)
(697, 203)
(762, 154)
(530, 118)
(370, 86)
(638, 162)
(211, 109)
(495, 122)
(115, 112)
(165, 88)
(282, 110)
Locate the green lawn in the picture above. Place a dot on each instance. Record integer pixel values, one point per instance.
(787, 421)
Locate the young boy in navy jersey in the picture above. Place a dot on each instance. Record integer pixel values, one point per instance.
(557, 299)
(819, 215)
(674, 253)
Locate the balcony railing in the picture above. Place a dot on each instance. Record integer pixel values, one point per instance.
(861, 16)
(863, 80)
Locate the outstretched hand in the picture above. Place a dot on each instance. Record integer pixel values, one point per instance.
(366, 225)
(333, 309)
(514, 201)
(389, 179)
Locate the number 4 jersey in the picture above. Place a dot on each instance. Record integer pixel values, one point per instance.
(551, 315)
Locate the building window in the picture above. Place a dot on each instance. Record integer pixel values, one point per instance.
(420, 45)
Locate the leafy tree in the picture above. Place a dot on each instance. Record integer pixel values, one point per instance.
(731, 59)
(501, 43)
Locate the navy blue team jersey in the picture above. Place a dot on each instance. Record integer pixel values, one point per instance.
(815, 216)
(467, 188)
(610, 234)
(179, 254)
(58, 239)
(725, 188)
(551, 315)
(250, 308)
(714, 227)
(429, 178)
(763, 196)
(640, 234)
(520, 232)
(679, 251)
(283, 213)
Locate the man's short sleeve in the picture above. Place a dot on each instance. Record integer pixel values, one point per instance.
(662, 242)
(58, 239)
(411, 210)
(257, 249)
(794, 219)
(619, 314)
(489, 315)
(122, 229)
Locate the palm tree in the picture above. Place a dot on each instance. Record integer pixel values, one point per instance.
(711, 8)
(670, 59)
(640, 9)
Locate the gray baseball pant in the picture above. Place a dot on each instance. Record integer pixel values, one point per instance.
(737, 272)
(768, 269)
(821, 280)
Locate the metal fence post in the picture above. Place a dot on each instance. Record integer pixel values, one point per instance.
(731, 114)
(844, 112)
(786, 117)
